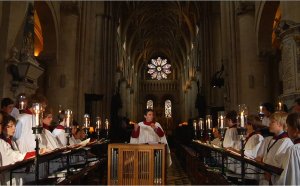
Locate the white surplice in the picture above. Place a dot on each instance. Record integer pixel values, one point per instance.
(9, 156)
(275, 155)
(148, 135)
(291, 166)
(24, 135)
(232, 139)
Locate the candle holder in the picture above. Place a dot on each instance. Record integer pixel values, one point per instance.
(209, 127)
(195, 129)
(261, 115)
(98, 127)
(242, 132)
(68, 128)
(86, 119)
(37, 129)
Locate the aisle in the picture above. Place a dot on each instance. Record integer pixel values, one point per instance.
(176, 174)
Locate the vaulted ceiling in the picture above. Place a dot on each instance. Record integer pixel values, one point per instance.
(152, 29)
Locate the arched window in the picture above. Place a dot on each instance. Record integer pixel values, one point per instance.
(149, 104)
(168, 109)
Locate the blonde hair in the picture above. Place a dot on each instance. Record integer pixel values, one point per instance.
(280, 117)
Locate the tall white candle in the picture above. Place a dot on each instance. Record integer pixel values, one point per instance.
(222, 122)
(260, 109)
(98, 122)
(242, 119)
(86, 120)
(200, 124)
(195, 125)
(106, 124)
(280, 106)
(36, 111)
(68, 117)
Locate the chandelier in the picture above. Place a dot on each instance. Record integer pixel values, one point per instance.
(159, 68)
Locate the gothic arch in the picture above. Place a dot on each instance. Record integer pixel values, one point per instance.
(264, 25)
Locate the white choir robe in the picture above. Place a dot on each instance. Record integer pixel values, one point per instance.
(251, 149)
(291, 166)
(9, 156)
(148, 135)
(60, 135)
(50, 142)
(15, 113)
(275, 155)
(217, 142)
(24, 136)
(232, 139)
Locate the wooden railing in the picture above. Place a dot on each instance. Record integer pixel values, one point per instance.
(132, 164)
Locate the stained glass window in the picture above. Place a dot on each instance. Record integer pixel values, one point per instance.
(159, 68)
(168, 109)
(149, 104)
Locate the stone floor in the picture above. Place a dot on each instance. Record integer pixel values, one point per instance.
(176, 174)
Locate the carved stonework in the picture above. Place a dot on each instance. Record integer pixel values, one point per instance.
(287, 66)
(289, 34)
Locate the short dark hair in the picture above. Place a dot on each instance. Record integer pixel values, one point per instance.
(254, 121)
(7, 119)
(293, 120)
(6, 101)
(147, 110)
(269, 107)
(36, 98)
(232, 116)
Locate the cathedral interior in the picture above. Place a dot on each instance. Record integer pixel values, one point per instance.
(183, 59)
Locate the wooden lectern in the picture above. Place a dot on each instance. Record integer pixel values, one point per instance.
(136, 164)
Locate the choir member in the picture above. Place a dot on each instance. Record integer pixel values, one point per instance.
(291, 161)
(267, 109)
(24, 135)
(149, 131)
(217, 141)
(9, 153)
(231, 138)
(8, 106)
(254, 138)
(60, 133)
(50, 140)
(274, 147)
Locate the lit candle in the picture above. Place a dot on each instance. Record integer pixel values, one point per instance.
(86, 120)
(22, 105)
(221, 122)
(260, 109)
(106, 124)
(59, 109)
(208, 121)
(195, 125)
(242, 119)
(279, 106)
(200, 124)
(68, 117)
(98, 122)
(36, 111)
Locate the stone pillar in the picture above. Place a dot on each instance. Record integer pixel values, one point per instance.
(251, 70)
(289, 68)
(62, 73)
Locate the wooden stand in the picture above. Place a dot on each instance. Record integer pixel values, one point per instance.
(132, 164)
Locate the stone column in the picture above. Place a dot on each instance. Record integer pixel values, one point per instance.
(289, 68)
(62, 74)
(251, 70)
